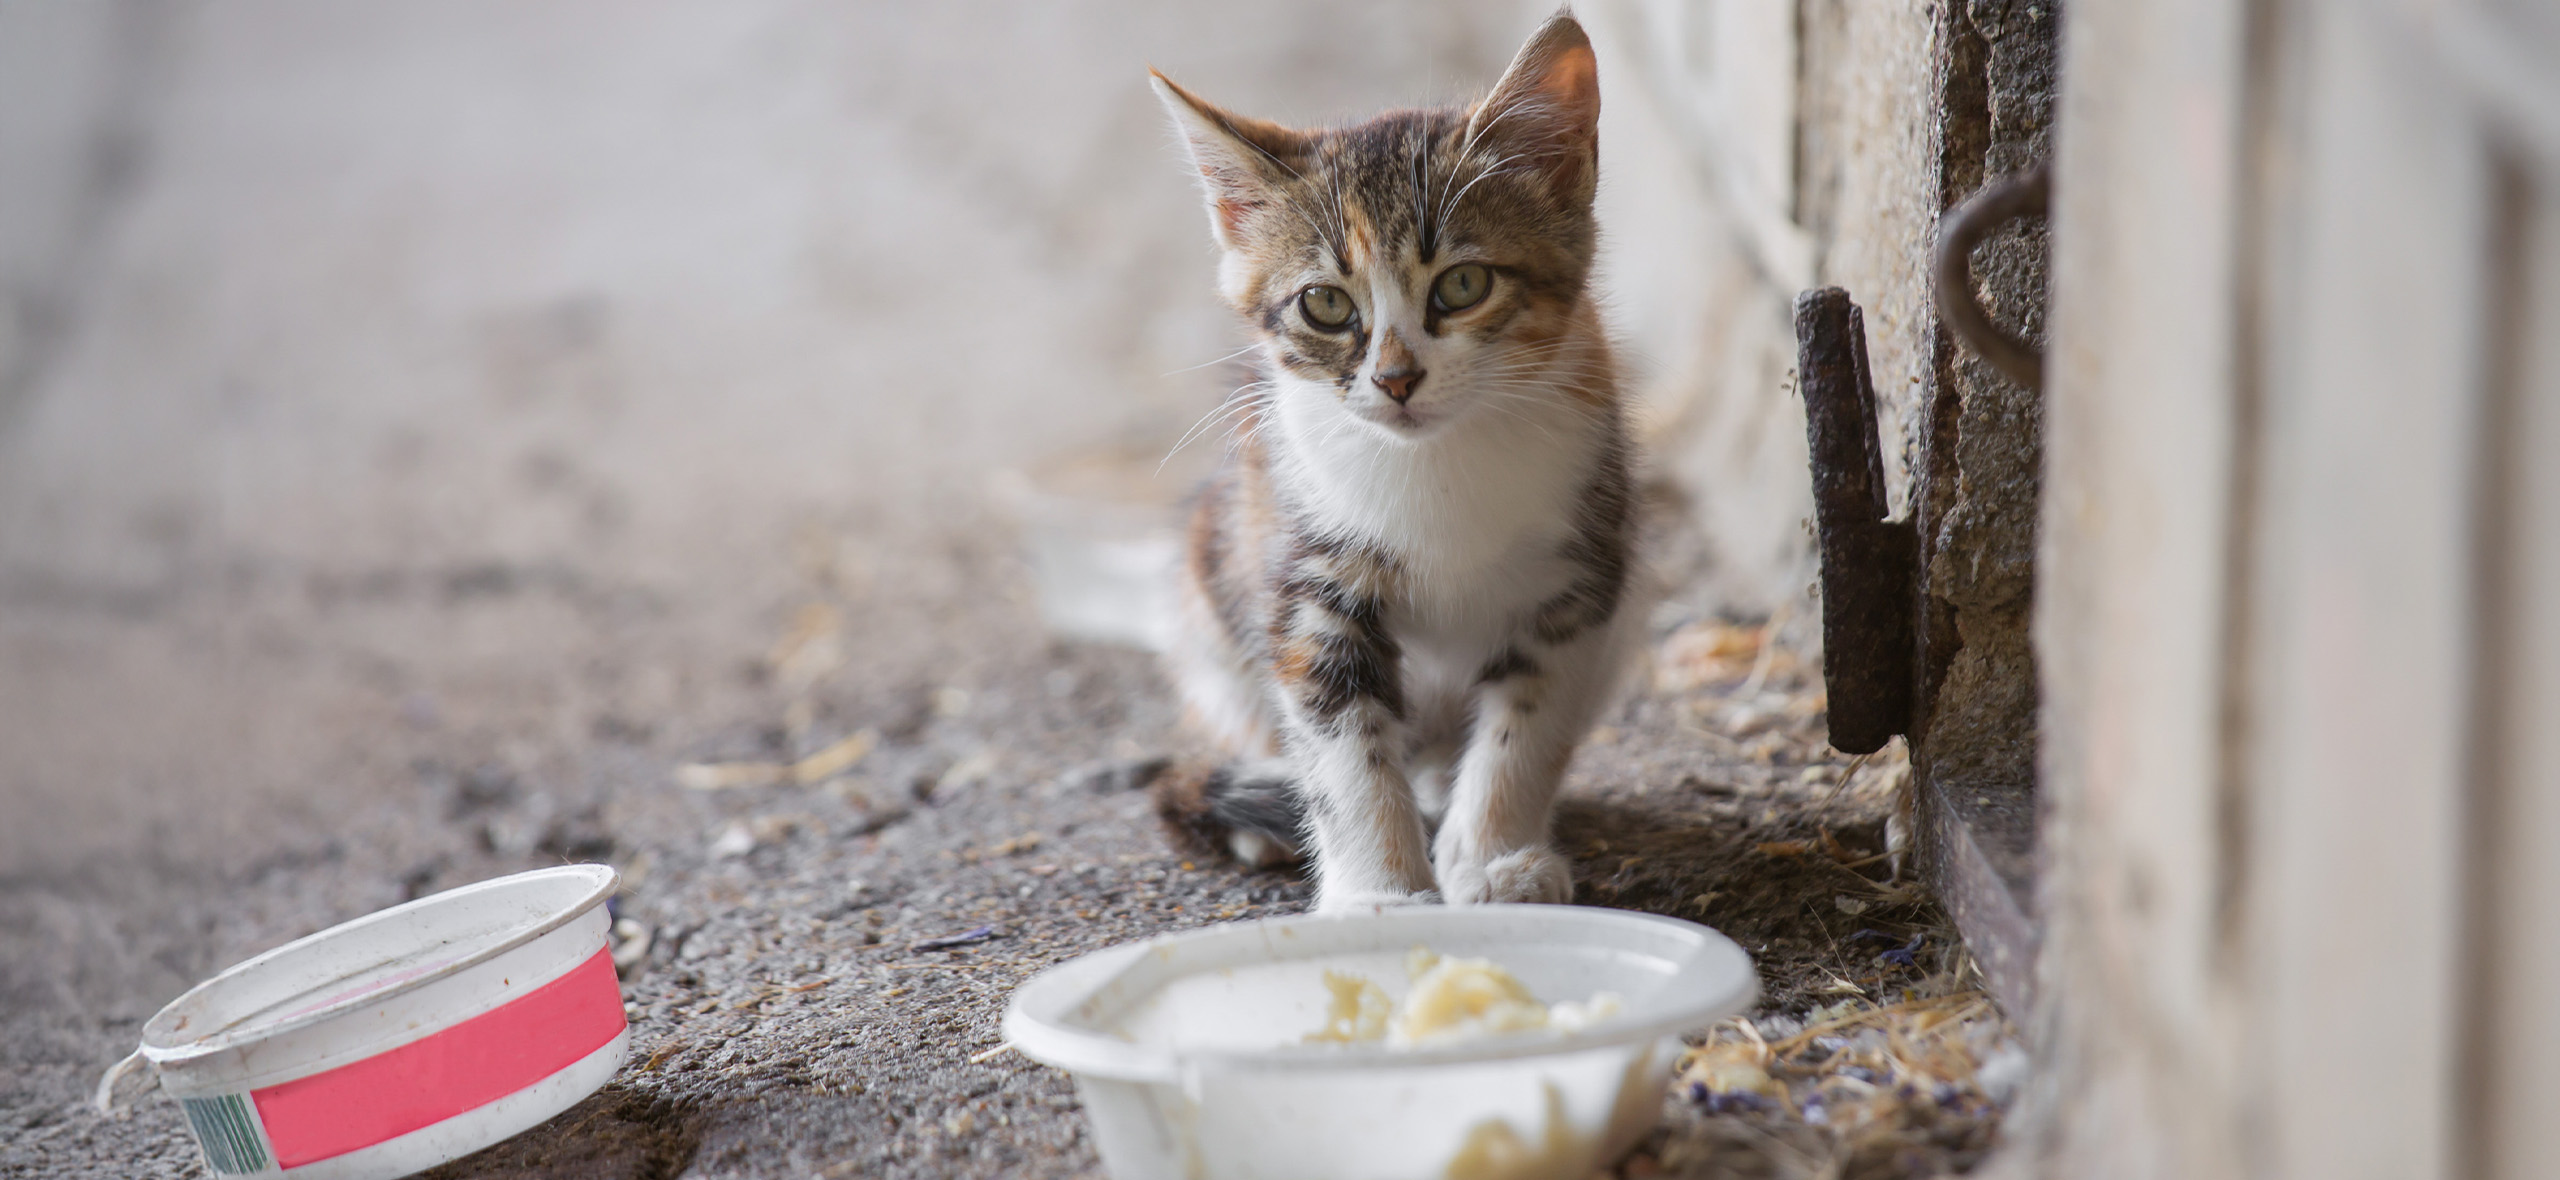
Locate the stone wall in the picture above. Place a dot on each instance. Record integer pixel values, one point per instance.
(1975, 735)
(1754, 151)
(1757, 157)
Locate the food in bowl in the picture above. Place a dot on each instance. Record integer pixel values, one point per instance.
(1449, 998)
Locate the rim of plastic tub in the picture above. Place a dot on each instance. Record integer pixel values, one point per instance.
(1036, 1021)
(602, 880)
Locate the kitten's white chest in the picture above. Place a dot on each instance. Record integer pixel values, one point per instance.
(1477, 518)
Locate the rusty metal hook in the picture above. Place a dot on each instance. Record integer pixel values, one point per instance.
(1952, 270)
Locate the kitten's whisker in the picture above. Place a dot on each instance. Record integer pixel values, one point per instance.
(1220, 361)
(1501, 169)
(1295, 205)
(1577, 401)
(1195, 432)
(1475, 133)
(1524, 419)
(1341, 220)
(1236, 402)
(1418, 146)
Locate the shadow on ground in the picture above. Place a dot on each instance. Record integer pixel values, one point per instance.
(616, 1134)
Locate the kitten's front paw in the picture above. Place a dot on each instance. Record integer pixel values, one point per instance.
(1365, 902)
(1535, 875)
(1531, 875)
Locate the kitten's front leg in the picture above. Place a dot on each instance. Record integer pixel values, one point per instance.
(1369, 844)
(1343, 712)
(1531, 709)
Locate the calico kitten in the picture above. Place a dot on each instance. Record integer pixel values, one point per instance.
(1405, 590)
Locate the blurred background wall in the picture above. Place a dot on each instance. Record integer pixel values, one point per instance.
(330, 284)
(323, 323)
(514, 358)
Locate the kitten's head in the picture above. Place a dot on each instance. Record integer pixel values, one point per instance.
(1424, 265)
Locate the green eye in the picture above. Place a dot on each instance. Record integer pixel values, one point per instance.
(1461, 287)
(1326, 307)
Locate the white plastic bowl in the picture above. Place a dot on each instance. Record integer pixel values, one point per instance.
(1188, 1050)
(400, 1040)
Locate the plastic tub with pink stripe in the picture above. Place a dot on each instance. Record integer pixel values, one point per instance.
(397, 1041)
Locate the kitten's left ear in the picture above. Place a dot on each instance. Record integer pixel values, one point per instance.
(1241, 160)
(1546, 108)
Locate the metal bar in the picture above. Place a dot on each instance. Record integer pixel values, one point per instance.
(1999, 202)
(1867, 561)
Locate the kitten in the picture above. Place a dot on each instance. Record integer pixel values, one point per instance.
(1405, 590)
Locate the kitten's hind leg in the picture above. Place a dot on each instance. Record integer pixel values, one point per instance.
(1221, 689)
(1431, 763)
(1250, 811)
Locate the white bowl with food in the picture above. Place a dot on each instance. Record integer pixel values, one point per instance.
(1496, 1041)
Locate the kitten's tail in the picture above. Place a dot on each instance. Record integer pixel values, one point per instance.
(1247, 810)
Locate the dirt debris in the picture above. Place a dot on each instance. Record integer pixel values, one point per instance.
(794, 1012)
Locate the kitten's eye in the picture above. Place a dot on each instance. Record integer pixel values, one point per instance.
(1326, 307)
(1461, 287)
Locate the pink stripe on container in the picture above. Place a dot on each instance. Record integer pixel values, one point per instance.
(444, 1074)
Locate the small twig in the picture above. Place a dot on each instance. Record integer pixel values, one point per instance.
(980, 934)
(1000, 1050)
(1759, 1044)
(1849, 869)
(1767, 655)
(1824, 927)
(1725, 745)
(1842, 783)
(1791, 1044)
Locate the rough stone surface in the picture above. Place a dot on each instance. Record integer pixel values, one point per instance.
(1974, 741)
(1854, 185)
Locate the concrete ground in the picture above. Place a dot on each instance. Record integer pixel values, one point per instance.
(425, 430)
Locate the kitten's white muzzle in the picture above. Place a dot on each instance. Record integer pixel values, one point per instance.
(1413, 419)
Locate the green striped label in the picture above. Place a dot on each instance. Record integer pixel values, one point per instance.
(228, 1129)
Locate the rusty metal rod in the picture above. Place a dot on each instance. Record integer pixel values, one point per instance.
(1952, 272)
(1868, 562)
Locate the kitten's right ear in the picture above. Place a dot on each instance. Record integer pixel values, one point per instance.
(1545, 112)
(1241, 160)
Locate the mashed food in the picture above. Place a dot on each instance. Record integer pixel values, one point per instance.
(1359, 1011)
(1451, 999)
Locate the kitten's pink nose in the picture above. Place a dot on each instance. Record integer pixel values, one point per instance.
(1399, 383)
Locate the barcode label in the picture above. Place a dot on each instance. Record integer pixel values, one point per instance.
(229, 1132)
